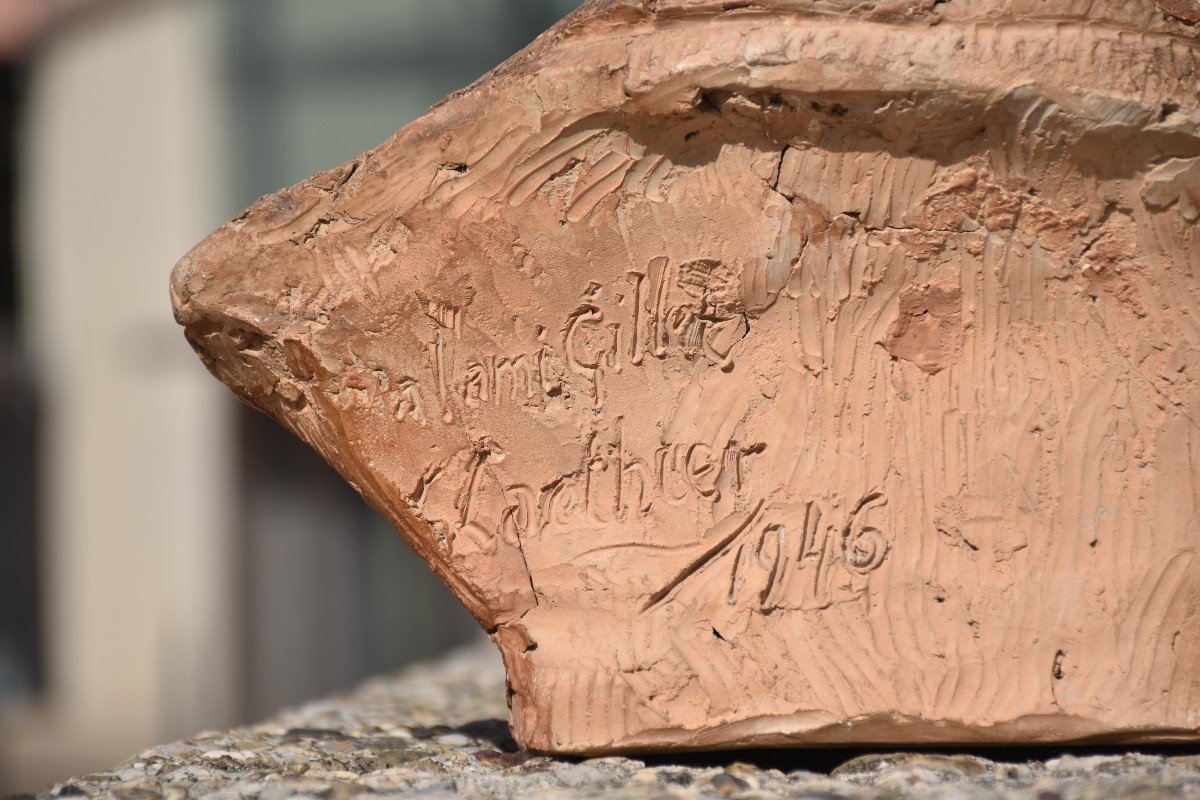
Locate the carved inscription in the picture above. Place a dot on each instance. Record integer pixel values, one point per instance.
(409, 404)
(614, 485)
(792, 557)
(788, 555)
(611, 486)
(447, 316)
(522, 379)
(785, 556)
(365, 388)
(688, 310)
(508, 379)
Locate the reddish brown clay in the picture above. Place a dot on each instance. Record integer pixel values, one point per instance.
(774, 372)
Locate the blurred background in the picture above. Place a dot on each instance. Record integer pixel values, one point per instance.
(170, 560)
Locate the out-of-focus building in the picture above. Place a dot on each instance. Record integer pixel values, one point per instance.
(170, 561)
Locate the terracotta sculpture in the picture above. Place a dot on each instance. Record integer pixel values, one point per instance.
(773, 372)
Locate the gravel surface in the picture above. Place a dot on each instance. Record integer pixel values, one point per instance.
(436, 731)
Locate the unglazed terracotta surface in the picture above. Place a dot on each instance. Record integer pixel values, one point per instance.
(779, 372)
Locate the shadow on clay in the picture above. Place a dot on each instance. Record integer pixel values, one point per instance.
(494, 734)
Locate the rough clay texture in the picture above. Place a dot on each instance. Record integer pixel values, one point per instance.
(767, 373)
(434, 732)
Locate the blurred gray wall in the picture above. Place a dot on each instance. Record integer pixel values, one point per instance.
(191, 564)
(312, 84)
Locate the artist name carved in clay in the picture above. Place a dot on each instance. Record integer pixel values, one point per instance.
(774, 373)
(700, 323)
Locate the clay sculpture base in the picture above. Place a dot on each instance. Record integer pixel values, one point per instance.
(430, 732)
(783, 372)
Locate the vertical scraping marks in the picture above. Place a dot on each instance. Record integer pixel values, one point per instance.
(1008, 291)
(877, 187)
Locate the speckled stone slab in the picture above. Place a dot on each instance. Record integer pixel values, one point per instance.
(437, 731)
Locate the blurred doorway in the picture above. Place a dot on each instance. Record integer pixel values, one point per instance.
(20, 651)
